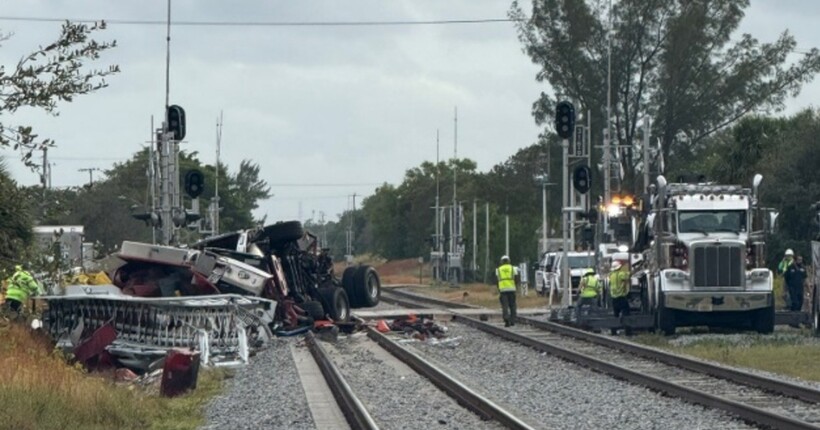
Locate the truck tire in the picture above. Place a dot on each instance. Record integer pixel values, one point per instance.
(763, 321)
(314, 309)
(367, 286)
(665, 320)
(287, 231)
(336, 303)
(349, 285)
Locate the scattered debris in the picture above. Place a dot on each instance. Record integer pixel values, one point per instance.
(415, 327)
(180, 372)
(224, 297)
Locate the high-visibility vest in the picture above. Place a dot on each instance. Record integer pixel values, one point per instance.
(784, 265)
(21, 285)
(619, 283)
(589, 287)
(506, 277)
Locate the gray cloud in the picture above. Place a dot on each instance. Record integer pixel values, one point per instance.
(311, 105)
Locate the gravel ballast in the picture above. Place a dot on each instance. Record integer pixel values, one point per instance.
(267, 393)
(396, 396)
(559, 394)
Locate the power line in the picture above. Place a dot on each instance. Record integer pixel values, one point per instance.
(266, 23)
(363, 184)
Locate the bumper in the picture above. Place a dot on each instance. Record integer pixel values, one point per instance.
(717, 301)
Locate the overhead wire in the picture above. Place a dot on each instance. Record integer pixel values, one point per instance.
(265, 23)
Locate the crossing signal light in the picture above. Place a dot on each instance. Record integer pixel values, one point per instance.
(581, 179)
(565, 119)
(176, 121)
(194, 183)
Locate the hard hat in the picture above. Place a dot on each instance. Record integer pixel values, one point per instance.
(18, 267)
(789, 252)
(589, 272)
(505, 258)
(616, 265)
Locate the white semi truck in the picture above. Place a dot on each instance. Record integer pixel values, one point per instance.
(704, 252)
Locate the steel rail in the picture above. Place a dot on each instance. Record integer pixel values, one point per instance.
(743, 411)
(733, 375)
(765, 383)
(353, 409)
(477, 403)
(419, 299)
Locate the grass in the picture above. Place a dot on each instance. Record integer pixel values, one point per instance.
(794, 354)
(40, 390)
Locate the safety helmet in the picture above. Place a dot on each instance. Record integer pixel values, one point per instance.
(505, 259)
(789, 252)
(616, 265)
(18, 267)
(589, 272)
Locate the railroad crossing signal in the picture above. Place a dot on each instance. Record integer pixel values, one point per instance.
(176, 121)
(565, 119)
(581, 179)
(194, 183)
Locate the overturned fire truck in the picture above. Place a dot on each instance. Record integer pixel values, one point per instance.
(224, 296)
(704, 249)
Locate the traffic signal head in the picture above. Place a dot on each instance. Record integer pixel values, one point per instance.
(176, 121)
(565, 119)
(194, 183)
(581, 179)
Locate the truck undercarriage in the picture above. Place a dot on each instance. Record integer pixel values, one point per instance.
(224, 296)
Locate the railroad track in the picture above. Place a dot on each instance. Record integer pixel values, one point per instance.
(764, 401)
(356, 412)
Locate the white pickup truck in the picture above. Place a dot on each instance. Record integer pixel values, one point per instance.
(548, 274)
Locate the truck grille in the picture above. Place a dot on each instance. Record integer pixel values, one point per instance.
(717, 266)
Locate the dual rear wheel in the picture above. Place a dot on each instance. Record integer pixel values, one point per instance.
(362, 285)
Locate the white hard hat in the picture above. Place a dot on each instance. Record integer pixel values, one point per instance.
(616, 265)
(789, 252)
(505, 258)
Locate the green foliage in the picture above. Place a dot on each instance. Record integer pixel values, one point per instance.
(106, 208)
(15, 225)
(674, 61)
(784, 150)
(47, 76)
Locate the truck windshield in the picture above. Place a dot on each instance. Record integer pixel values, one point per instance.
(580, 261)
(711, 221)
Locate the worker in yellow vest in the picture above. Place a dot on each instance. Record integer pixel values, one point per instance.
(619, 290)
(21, 285)
(507, 276)
(590, 288)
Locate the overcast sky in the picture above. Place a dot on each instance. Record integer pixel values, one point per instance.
(351, 106)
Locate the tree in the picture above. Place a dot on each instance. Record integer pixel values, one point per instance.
(243, 192)
(47, 76)
(15, 224)
(672, 60)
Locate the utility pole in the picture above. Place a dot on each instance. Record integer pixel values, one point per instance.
(90, 171)
(455, 225)
(607, 151)
(486, 240)
(506, 235)
(215, 201)
(647, 130)
(44, 179)
(566, 293)
(475, 237)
